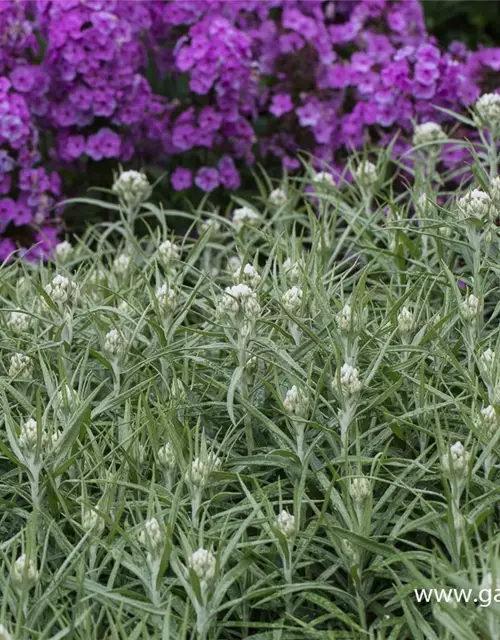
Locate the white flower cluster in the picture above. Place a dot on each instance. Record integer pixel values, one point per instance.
(278, 197)
(63, 251)
(28, 437)
(285, 523)
(469, 308)
(406, 321)
(121, 264)
(92, 522)
(18, 322)
(151, 536)
(132, 188)
(360, 489)
(488, 421)
(166, 297)
(366, 174)
(61, 290)
(488, 109)
(495, 190)
(203, 563)
(199, 470)
(24, 569)
(114, 344)
(168, 252)
(166, 456)
(239, 298)
(248, 275)
(475, 204)
(428, 133)
(456, 459)
(349, 380)
(293, 270)
(208, 225)
(488, 360)
(4, 634)
(346, 319)
(245, 216)
(292, 299)
(20, 366)
(323, 178)
(296, 402)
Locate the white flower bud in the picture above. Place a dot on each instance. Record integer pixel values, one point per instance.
(4, 634)
(323, 178)
(346, 319)
(247, 274)
(197, 473)
(166, 297)
(286, 524)
(245, 217)
(406, 321)
(92, 522)
(21, 366)
(488, 360)
(456, 460)
(28, 435)
(114, 344)
(360, 489)
(24, 569)
(18, 322)
(208, 225)
(488, 109)
(470, 307)
(132, 188)
(278, 197)
(293, 270)
(61, 290)
(168, 252)
(63, 251)
(202, 562)
(151, 536)
(239, 298)
(166, 456)
(121, 264)
(495, 190)
(429, 133)
(366, 174)
(349, 380)
(296, 402)
(292, 299)
(488, 421)
(475, 204)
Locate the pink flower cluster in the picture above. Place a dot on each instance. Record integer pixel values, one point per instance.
(204, 87)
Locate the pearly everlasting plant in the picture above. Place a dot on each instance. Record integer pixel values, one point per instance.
(62, 290)
(292, 299)
(247, 274)
(19, 322)
(21, 366)
(245, 217)
(285, 523)
(132, 188)
(429, 133)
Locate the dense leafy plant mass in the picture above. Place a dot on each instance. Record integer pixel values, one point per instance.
(279, 424)
(204, 88)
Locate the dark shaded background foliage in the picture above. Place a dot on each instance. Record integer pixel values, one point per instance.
(473, 22)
